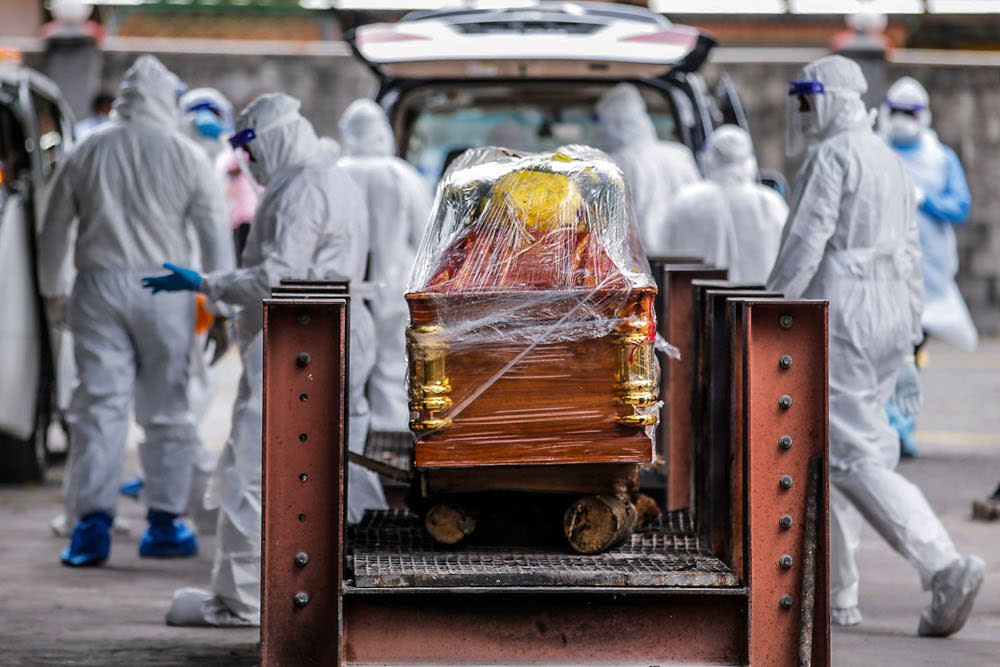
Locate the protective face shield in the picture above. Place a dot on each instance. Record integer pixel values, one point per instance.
(906, 107)
(802, 114)
(250, 165)
(281, 136)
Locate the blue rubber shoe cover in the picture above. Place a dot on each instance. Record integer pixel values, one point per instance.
(167, 537)
(132, 487)
(91, 541)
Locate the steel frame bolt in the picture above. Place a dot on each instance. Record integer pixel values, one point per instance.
(786, 521)
(301, 559)
(301, 599)
(786, 601)
(785, 482)
(302, 359)
(303, 477)
(785, 361)
(785, 321)
(303, 318)
(786, 561)
(785, 442)
(785, 401)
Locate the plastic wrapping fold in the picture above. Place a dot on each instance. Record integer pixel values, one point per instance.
(532, 327)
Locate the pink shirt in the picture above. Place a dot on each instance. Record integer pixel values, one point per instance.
(241, 193)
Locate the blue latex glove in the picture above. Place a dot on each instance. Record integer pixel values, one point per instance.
(908, 397)
(181, 279)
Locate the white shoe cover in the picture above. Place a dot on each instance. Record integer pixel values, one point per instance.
(193, 607)
(845, 617)
(953, 591)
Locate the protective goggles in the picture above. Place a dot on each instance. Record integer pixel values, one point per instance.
(242, 138)
(805, 88)
(214, 108)
(904, 107)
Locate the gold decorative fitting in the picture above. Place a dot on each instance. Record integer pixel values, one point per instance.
(424, 425)
(430, 403)
(635, 383)
(637, 398)
(429, 385)
(632, 338)
(636, 420)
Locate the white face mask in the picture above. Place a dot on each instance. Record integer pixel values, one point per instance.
(903, 129)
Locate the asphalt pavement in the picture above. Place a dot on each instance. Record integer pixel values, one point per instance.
(114, 615)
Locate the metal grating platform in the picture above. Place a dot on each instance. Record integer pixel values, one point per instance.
(390, 549)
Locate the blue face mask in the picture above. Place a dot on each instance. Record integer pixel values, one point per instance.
(209, 125)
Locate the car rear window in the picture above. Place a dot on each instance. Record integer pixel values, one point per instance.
(437, 122)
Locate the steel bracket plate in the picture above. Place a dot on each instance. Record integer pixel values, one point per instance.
(775, 400)
(674, 436)
(305, 431)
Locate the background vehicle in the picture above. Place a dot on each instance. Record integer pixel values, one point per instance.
(448, 79)
(35, 134)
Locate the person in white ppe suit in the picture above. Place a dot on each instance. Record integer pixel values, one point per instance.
(943, 199)
(654, 170)
(206, 116)
(208, 119)
(128, 195)
(311, 224)
(851, 238)
(398, 202)
(729, 219)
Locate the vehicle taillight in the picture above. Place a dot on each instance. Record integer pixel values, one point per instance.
(386, 35)
(680, 38)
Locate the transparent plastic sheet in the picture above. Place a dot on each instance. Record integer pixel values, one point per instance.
(532, 330)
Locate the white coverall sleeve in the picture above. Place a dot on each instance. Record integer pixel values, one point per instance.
(297, 231)
(420, 210)
(810, 225)
(56, 235)
(915, 279)
(207, 213)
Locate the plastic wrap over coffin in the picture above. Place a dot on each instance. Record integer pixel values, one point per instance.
(531, 316)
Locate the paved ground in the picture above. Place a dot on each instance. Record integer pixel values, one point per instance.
(113, 615)
(51, 615)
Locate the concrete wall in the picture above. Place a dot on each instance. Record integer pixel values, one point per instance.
(326, 82)
(965, 103)
(323, 75)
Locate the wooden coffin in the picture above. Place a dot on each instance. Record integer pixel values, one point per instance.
(514, 404)
(532, 326)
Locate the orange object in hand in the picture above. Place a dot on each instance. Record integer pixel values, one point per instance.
(202, 317)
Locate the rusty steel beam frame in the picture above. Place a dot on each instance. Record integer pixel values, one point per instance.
(312, 615)
(540, 626)
(781, 428)
(674, 434)
(712, 405)
(306, 361)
